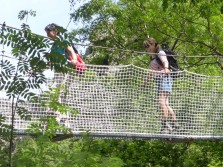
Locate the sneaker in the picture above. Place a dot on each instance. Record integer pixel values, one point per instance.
(165, 128)
(175, 126)
(164, 131)
(168, 126)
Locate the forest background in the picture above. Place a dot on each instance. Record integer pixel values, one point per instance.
(192, 28)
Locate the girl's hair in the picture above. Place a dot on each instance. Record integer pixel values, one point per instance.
(51, 27)
(54, 27)
(150, 41)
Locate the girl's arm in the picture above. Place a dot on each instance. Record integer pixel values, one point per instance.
(163, 58)
(72, 54)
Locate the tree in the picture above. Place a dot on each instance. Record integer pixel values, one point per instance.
(191, 28)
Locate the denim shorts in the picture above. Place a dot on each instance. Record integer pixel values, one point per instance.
(164, 83)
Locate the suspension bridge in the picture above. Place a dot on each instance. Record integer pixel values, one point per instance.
(114, 102)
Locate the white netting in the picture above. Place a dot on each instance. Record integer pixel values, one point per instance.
(113, 101)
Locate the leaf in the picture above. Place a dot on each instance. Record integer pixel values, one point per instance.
(222, 9)
(23, 113)
(22, 14)
(34, 61)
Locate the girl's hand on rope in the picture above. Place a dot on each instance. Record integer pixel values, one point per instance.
(73, 62)
(166, 70)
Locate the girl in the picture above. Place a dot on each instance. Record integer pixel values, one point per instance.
(70, 52)
(164, 82)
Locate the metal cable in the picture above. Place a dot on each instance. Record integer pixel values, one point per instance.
(118, 49)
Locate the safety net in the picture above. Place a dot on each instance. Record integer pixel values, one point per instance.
(122, 101)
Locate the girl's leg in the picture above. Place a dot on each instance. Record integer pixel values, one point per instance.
(172, 115)
(162, 105)
(164, 110)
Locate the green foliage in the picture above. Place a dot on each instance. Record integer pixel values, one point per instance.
(191, 28)
(24, 13)
(42, 152)
(50, 101)
(116, 153)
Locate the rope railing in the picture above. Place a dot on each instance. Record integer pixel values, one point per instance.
(116, 49)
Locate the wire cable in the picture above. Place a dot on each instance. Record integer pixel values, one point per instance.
(118, 49)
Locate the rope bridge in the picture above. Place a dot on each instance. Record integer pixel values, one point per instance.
(114, 101)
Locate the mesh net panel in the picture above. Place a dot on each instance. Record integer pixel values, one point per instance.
(122, 101)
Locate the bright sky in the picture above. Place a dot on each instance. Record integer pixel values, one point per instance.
(47, 11)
